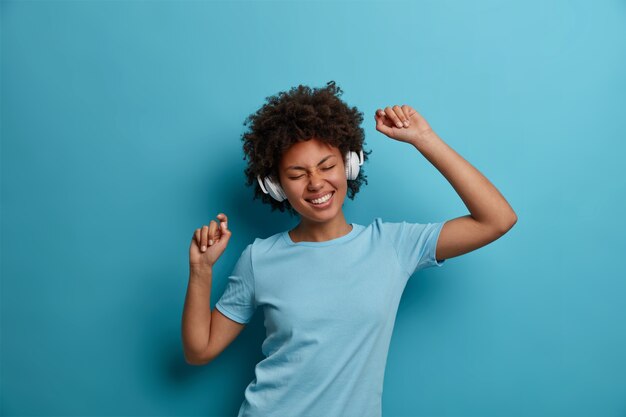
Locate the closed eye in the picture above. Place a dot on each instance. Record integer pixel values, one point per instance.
(323, 169)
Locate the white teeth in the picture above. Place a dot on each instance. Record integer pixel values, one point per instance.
(322, 199)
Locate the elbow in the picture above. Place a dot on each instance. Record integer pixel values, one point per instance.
(196, 360)
(508, 225)
(513, 220)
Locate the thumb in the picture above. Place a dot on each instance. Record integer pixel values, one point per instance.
(381, 127)
(226, 233)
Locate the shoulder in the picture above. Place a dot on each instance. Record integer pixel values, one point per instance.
(378, 225)
(378, 229)
(401, 231)
(386, 227)
(262, 245)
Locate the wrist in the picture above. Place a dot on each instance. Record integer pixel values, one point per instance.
(423, 138)
(200, 271)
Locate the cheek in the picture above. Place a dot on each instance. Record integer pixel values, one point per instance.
(341, 177)
(340, 183)
(291, 188)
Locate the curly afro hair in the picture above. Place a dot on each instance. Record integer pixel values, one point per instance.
(298, 115)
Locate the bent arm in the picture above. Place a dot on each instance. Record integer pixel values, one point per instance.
(205, 333)
(196, 321)
(484, 202)
(490, 217)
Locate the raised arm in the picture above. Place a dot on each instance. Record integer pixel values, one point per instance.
(490, 216)
(205, 333)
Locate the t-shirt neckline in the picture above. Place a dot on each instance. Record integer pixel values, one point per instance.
(352, 233)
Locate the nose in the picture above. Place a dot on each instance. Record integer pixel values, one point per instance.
(316, 180)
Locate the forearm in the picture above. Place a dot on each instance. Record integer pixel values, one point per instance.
(196, 322)
(480, 196)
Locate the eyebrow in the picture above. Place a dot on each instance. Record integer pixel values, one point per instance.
(304, 169)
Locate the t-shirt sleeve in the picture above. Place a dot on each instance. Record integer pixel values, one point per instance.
(237, 302)
(415, 244)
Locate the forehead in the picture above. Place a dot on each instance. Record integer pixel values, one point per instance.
(307, 153)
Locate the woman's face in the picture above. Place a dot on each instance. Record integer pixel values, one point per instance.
(310, 170)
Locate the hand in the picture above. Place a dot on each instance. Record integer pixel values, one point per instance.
(401, 123)
(208, 243)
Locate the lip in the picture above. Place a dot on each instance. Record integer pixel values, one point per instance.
(313, 197)
(326, 204)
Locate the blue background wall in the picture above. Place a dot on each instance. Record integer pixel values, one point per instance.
(121, 126)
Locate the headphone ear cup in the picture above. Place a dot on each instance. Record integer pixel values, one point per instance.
(353, 164)
(272, 188)
(275, 189)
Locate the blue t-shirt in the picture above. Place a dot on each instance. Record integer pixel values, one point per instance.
(329, 310)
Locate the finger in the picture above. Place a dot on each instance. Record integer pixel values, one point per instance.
(214, 233)
(383, 125)
(381, 120)
(223, 219)
(218, 229)
(212, 230)
(394, 118)
(379, 115)
(204, 237)
(218, 233)
(401, 116)
(407, 112)
(225, 235)
(196, 237)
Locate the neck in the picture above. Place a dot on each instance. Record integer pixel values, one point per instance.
(312, 231)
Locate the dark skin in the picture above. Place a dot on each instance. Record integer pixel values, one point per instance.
(207, 333)
(491, 215)
(209, 242)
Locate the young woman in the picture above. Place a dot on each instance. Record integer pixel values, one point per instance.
(329, 289)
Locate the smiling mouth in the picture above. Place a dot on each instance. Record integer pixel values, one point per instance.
(323, 200)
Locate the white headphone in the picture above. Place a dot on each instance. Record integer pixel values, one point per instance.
(273, 188)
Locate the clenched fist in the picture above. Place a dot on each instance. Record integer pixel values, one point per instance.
(402, 123)
(208, 243)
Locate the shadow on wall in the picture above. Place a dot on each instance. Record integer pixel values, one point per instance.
(160, 348)
(160, 345)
